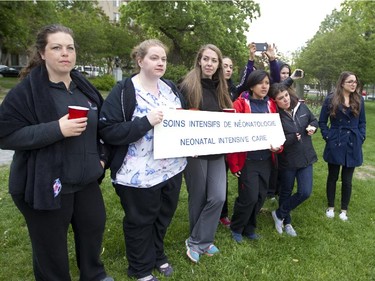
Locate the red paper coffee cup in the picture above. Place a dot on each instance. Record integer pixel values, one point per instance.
(231, 110)
(77, 111)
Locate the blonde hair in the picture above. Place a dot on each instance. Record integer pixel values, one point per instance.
(140, 51)
(192, 87)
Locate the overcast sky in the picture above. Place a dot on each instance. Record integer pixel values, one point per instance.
(289, 23)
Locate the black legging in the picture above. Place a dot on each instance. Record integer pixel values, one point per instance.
(346, 184)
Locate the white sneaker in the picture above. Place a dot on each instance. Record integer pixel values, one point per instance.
(290, 230)
(278, 223)
(330, 213)
(343, 216)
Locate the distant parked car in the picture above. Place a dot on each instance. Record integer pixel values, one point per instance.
(89, 70)
(9, 72)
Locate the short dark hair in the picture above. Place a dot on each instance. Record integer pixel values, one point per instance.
(277, 88)
(255, 77)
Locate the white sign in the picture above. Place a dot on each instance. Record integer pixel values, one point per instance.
(192, 132)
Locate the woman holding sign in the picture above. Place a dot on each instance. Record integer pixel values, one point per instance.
(252, 168)
(148, 188)
(205, 88)
(297, 159)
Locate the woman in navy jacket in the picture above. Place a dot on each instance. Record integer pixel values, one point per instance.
(344, 138)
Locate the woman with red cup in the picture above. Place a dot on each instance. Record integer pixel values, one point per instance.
(54, 177)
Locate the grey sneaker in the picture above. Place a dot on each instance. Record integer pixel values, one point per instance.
(290, 230)
(278, 223)
(148, 278)
(166, 269)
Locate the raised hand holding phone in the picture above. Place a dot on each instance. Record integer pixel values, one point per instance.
(298, 73)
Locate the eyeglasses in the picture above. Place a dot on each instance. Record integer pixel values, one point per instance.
(351, 82)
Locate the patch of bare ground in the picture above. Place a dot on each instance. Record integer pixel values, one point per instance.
(365, 172)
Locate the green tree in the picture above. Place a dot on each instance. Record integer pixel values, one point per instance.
(186, 25)
(20, 21)
(344, 42)
(98, 41)
(90, 26)
(121, 44)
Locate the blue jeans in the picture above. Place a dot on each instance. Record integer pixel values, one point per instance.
(287, 201)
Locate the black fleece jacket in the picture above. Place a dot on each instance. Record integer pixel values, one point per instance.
(29, 125)
(116, 126)
(297, 153)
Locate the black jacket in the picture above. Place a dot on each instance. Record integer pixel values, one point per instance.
(29, 125)
(297, 153)
(115, 125)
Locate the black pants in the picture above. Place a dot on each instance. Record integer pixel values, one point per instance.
(252, 191)
(148, 213)
(85, 211)
(274, 184)
(346, 184)
(224, 210)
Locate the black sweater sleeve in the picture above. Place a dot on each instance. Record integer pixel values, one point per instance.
(113, 127)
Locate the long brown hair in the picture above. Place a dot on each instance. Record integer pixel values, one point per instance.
(338, 96)
(192, 86)
(38, 48)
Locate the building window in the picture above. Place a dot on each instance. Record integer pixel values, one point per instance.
(116, 17)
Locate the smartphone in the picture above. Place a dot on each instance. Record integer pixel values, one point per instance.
(261, 47)
(298, 73)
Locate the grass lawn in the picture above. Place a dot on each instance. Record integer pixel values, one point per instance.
(6, 83)
(325, 249)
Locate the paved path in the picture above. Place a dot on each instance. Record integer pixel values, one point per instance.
(6, 157)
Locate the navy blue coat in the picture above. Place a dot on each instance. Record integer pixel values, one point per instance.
(344, 136)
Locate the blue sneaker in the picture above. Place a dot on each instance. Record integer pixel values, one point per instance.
(237, 236)
(193, 255)
(253, 236)
(211, 250)
(187, 244)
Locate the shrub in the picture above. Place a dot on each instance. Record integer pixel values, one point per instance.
(103, 83)
(175, 72)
